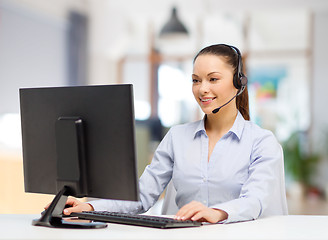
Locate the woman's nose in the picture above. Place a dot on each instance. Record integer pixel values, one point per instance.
(204, 87)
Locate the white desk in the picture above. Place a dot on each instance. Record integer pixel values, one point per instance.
(14, 226)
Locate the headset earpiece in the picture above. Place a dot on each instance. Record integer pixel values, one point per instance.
(236, 81)
(240, 82)
(239, 79)
(243, 80)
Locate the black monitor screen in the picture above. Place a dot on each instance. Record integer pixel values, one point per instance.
(102, 138)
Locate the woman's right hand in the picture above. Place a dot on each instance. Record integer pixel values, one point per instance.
(76, 206)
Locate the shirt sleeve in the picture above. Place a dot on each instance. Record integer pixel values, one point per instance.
(151, 183)
(263, 188)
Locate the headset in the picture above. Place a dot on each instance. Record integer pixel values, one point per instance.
(239, 78)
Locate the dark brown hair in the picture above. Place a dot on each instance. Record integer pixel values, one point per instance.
(231, 57)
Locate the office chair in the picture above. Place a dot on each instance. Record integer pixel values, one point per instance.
(169, 206)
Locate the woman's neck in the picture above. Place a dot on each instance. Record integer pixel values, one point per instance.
(221, 122)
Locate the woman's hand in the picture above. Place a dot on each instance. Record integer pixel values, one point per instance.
(76, 206)
(196, 211)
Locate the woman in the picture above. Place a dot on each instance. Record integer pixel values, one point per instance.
(224, 167)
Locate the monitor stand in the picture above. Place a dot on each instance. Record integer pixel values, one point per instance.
(53, 215)
(71, 175)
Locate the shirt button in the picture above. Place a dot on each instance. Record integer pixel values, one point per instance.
(204, 179)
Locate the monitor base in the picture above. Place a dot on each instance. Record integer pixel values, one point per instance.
(69, 223)
(53, 215)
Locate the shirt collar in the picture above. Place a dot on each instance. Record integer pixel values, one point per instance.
(200, 127)
(237, 128)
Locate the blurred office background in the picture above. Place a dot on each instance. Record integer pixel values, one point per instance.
(78, 42)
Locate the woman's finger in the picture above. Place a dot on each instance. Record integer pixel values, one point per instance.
(198, 216)
(210, 215)
(183, 210)
(187, 211)
(78, 208)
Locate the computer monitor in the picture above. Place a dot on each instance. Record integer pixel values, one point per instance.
(78, 141)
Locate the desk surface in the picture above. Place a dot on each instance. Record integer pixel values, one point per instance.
(298, 227)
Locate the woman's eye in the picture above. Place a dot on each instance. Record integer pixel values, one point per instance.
(195, 81)
(213, 79)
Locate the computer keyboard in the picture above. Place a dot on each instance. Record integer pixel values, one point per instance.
(135, 219)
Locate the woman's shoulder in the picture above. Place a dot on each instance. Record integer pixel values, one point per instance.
(186, 129)
(258, 133)
(187, 126)
(261, 137)
(256, 129)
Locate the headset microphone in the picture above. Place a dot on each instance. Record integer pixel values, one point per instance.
(217, 109)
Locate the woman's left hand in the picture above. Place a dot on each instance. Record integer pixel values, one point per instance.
(196, 211)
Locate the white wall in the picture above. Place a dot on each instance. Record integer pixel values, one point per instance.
(319, 129)
(32, 47)
(320, 77)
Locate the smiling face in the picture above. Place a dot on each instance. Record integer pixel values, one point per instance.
(212, 82)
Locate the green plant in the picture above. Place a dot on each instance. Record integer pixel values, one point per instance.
(300, 163)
